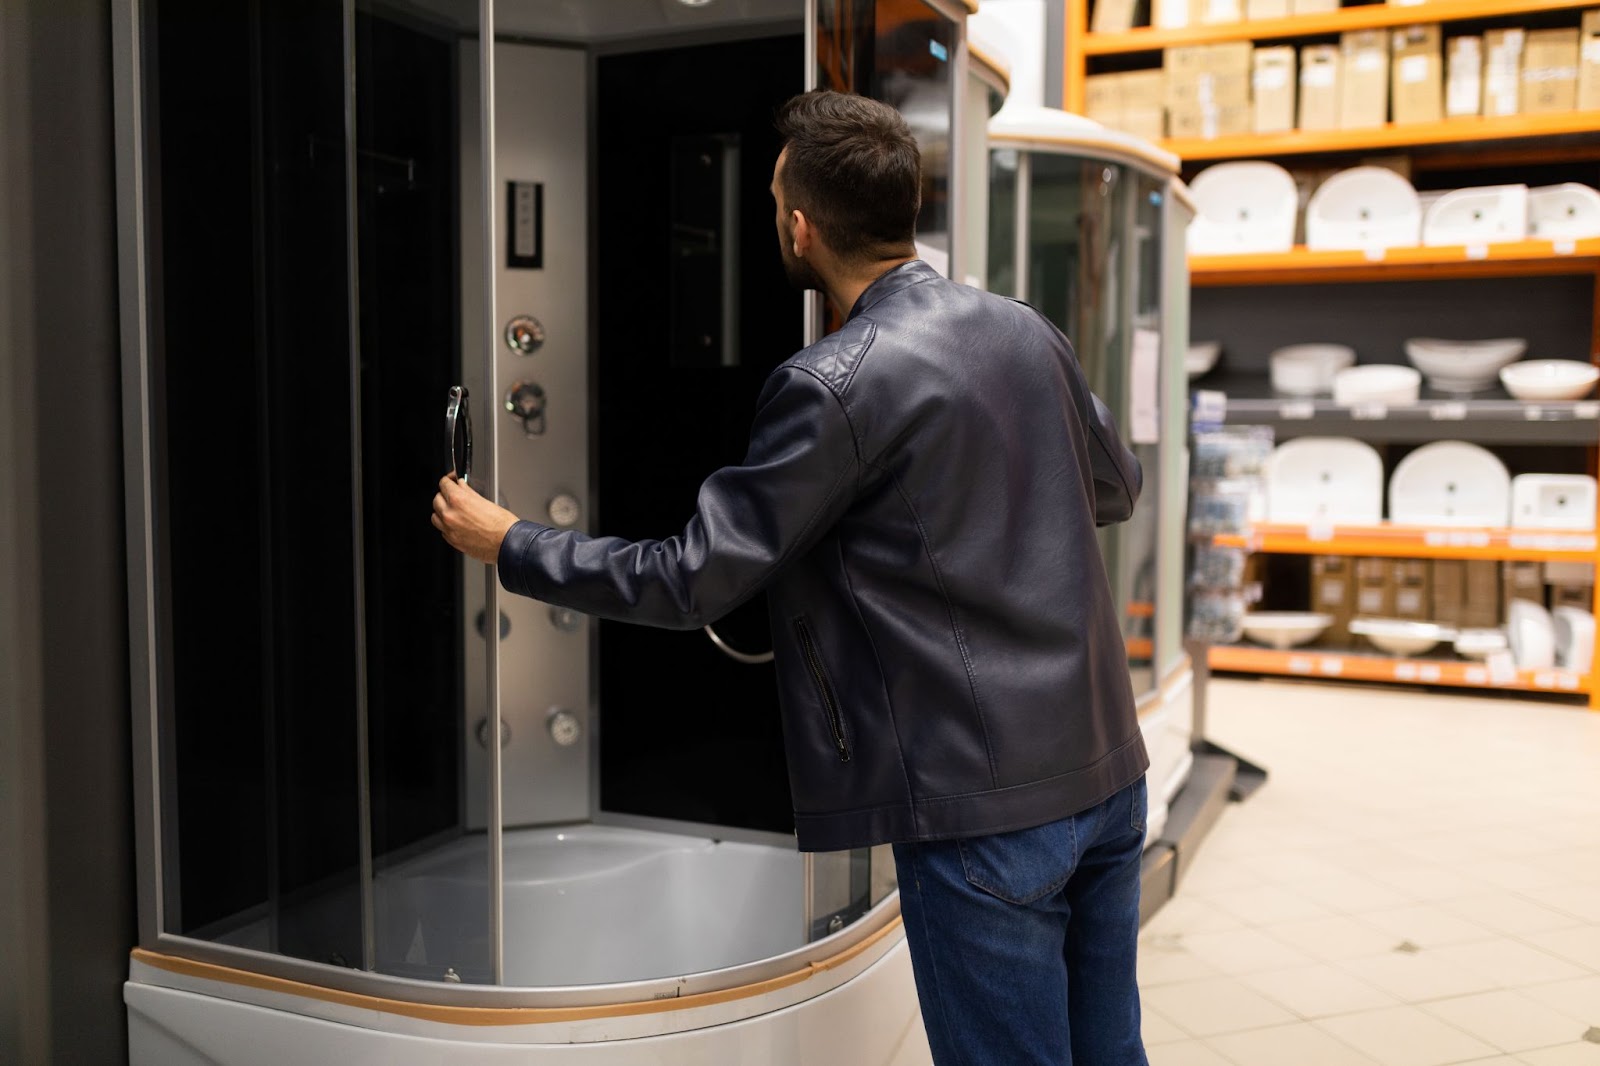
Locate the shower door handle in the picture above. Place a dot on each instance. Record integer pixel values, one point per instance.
(458, 424)
(736, 655)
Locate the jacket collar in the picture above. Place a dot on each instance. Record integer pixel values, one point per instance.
(892, 281)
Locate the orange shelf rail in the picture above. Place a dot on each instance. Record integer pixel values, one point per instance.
(1389, 136)
(1303, 266)
(1418, 542)
(1365, 17)
(1356, 666)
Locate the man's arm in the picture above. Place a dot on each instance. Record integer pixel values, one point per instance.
(1118, 477)
(797, 479)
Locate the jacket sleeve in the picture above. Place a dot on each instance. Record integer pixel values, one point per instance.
(798, 477)
(1118, 477)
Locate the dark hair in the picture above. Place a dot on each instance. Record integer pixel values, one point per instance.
(853, 170)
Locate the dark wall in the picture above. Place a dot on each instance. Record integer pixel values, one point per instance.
(65, 795)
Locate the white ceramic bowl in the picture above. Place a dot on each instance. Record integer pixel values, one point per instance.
(1463, 366)
(1532, 633)
(1396, 386)
(1574, 638)
(1201, 357)
(1398, 637)
(1285, 629)
(1480, 643)
(1549, 379)
(1308, 369)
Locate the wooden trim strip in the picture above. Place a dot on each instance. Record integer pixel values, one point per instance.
(497, 1016)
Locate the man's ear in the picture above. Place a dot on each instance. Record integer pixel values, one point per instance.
(801, 234)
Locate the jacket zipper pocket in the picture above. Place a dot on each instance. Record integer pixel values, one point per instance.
(830, 705)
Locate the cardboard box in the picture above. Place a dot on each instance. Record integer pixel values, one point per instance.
(1170, 14)
(1571, 585)
(1268, 9)
(1319, 87)
(1448, 591)
(1364, 74)
(1112, 16)
(1208, 122)
(1579, 596)
(1522, 581)
(1463, 95)
(1417, 87)
(1374, 588)
(1502, 71)
(1480, 604)
(1550, 72)
(1142, 90)
(1215, 12)
(1102, 97)
(1273, 85)
(1333, 594)
(1150, 125)
(1413, 590)
(1314, 7)
(1589, 63)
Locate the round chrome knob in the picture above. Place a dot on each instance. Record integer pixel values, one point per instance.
(565, 510)
(482, 733)
(525, 400)
(524, 334)
(565, 729)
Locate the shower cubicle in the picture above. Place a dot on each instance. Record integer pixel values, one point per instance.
(383, 807)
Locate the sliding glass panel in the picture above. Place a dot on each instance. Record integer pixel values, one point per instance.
(244, 110)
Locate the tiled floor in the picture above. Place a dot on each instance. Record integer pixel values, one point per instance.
(1417, 884)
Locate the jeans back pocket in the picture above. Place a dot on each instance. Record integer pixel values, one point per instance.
(1024, 866)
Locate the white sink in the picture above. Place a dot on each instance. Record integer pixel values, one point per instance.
(1532, 633)
(1285, 629)
(1574, 638)
(1316, 480)
(1201, 357)
(1308, 369)
(1549, 379)
(1396, 386)
(1400, 637)
(1463, 366)
(1366, 207)
(1553, 501)
(1478, 216)
(1480, 643)
(1450, 483)
(1243, 207)
(1564, 212)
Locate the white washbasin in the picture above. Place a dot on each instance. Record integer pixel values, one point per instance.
(1396, 386)
(1553, 501)
(1549, 379)
(1400, 637)
(1308, 369)
(1450, 483)
(1532, 633)
(1285, 629)
(1480, 643)
(1201, 357)
(1315, 480)
(1478, 216)
(1365, 207)
(1243, 207)
(1463, 366)
(1574, 638)
(1564, 212)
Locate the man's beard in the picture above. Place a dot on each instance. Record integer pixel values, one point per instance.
(797, 270)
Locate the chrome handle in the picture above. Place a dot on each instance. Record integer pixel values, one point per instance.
(458, 423)
(736, 655)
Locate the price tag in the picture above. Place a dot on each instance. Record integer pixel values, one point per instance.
(1297, 411)
(1320, 531)
(1533, 413)
(1430, 672)
(1502, 668)
(1331, 667)
(1477, 251)
(1369, 412)
(1210, 406)
(1476, 675)
(1376, 255)
(1544, 679)
(1564, 247)
(1405, 671)
(1301, 664)
(1567, 680)
(1454, 411)
(1587, 409)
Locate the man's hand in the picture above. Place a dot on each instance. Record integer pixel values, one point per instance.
(470, 524)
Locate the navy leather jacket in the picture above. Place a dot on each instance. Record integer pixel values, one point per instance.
(919, 500)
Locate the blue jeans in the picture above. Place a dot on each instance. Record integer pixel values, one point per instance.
(1023, 944)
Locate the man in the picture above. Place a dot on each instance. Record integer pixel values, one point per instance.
(919, 500)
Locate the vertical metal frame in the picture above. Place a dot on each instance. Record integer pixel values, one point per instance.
(954, 193)
(491, 595)
(132, 249)
(1023, 201)
(1174, 418)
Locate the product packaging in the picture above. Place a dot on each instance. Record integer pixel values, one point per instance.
(1502, 71)
(1464, 78)
(1418, 75)
(1333, 594)
(1274, 83)
(1364, 71)
(1319, 87)
(1550, 72)
(1589, 63)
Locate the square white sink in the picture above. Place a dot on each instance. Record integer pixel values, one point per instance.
(1568, 212)
(1553, 501)
(1316, 480)
(1478, 216)
(1450, 483)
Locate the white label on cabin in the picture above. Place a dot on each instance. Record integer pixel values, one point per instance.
(1144, 382)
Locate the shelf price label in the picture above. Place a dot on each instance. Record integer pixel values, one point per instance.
(1456, 538)
(1297, 411)
(1430, 672)
(1544, 679)
(1375, 255)
(1477, 251)
(1320, 531)
(1566, 247)
(1476, 675)
(1567, 680)
(1533, 413)
(1502, 668)
(1406, 672)
(1453, 411)
(1330, 666)
(1301, 664)
(1588, 409)
(1369, 412)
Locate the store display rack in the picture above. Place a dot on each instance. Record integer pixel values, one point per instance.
(1304, 266)
(1357, 666)
(1417, 542)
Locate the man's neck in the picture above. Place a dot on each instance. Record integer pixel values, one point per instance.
(844, 292)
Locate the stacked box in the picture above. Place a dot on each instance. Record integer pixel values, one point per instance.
(1273, 84)
(1480, 603)
(1319, 87)
(1267, 9)
(1418, 77)
(1550, 72)
(1413, 590)
(1208, 90)
(1314, 7)
(1502, 71)
(1333, 594)
(1374, 588)
(1449, 591)
(1131, 102)
(1464, 78)
(1570, 584)
(1364, 72)
(1112, 16)
(1589, 63)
